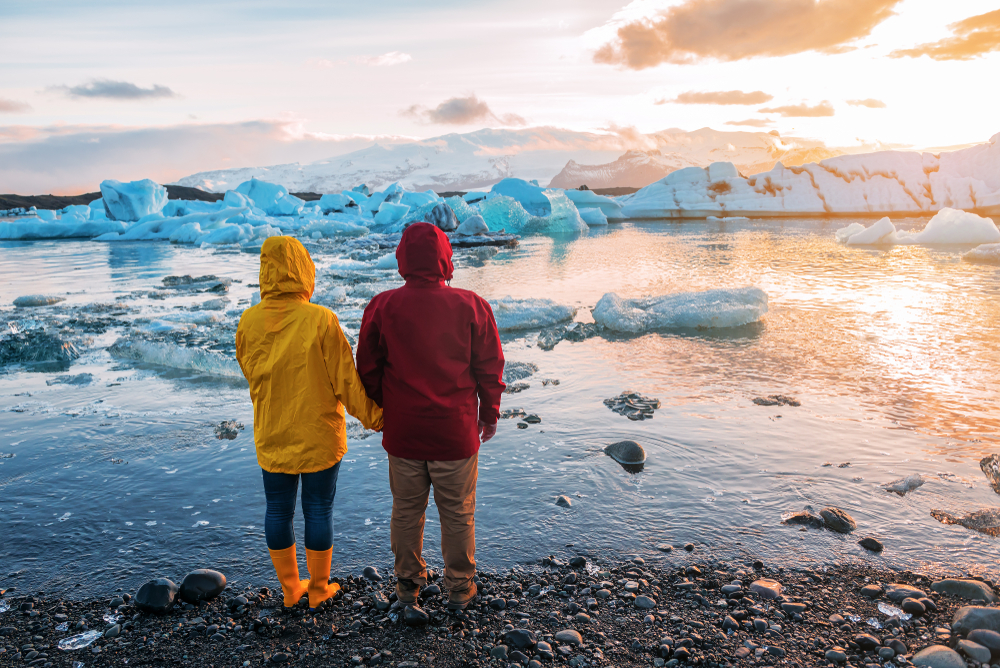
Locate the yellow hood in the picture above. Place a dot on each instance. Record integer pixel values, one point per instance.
(286, 269)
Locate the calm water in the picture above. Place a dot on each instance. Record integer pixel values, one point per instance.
(892, 353)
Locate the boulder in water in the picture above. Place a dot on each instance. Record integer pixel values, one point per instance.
(37, 349)
(838, 520)
(156, 596)
(202, 585)
(443, 217)
(629, 454)
(991, 467)
(985, 520)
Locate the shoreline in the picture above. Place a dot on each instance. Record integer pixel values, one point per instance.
(561, 611)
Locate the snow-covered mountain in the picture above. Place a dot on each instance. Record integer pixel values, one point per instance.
(563, 157)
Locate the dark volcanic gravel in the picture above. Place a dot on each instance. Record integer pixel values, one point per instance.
(702, 615)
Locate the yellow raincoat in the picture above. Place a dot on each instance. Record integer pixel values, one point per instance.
(299, 366)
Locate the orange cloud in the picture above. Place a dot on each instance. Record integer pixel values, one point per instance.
(972, 37)
(871, 103)
(752, 122)
(13, 106)
(824, 108)
(720, 97)
(737, 29)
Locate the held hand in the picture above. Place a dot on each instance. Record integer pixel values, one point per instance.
(486, 431)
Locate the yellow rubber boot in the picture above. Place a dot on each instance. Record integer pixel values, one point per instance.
(287, 568)
(320, 587)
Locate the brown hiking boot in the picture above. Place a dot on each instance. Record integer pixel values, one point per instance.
(407, 591)
(459, 600)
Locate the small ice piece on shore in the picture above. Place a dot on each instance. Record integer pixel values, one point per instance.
(79, 641)
(984, 254)
(133, 200)
(725, 307)
(387, 261)
(4, 605)
(904, 485)
(515, 314)
(30, 301)
(893, 611)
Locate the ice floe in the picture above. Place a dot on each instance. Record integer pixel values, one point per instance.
(131, 201)
(985, 254)
(175, 356)
(515, 314)
(948, 226)
(728, 307)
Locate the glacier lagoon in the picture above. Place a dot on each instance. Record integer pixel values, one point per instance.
(111, 471)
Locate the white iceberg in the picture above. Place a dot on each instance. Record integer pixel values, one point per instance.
(726, 307)
(271, 198)
(593, 217)
(164, 228)
(948, 226)
(528, 194)
(474, 224)
(985, 254)
(588, 199)
(66, 227)
(337, 225)
(515, 314)
(880, 233)
(335, 202)
(131, 201)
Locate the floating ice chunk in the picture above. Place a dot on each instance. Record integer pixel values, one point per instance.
(904, 485)
(952, 226)
(387, 261)
(289, 205)
(461, 208)
(27, 301)
(133, 200)
(264, 195)
(186, 234)
(337, 225)
(514, 314)
(184, 207)
(845, 233)
(588, 199)
(503, 213)
(593, 217)
(47, 215)
(415, 200)
(473, 225)
(335, 202)
(528, 195)
(175, 357)
(733, 219)
(881, 233)
(985, 254)
(389, 213)
(727, 307)
(236, 199)
(564, 219)
(66, 227)
(165, 228)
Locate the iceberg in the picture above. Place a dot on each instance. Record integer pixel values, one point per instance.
(528, 195)
(335, 202)
(389, 213)
(473, 225)
(985, 254)
(515, 314)
(726, 307)
(183, 207)
(588, 199)
(164, 228)
(503, 213)
(133, 200)
(461, 208)
(443, 218)
(881, 233)
(66, 227)
(271, 198)
(175, 357)
(593, 217)
(563, 218)
(337, 225)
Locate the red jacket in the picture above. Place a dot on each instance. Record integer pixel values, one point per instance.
(430, 355)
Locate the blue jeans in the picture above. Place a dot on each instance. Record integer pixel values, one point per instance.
(318, 490)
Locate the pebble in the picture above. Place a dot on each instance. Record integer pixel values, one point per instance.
(898, 591)
(872, 544)
(836, 655)
(938, 656)
(972, 617)
(570, 637)
(968, 589)
(689, 547)
(988, 639)
(520, 639)
(380, 601)
(871, 591)
(974, 650)
(912, 606)
(499, 652)
(765, 588)
(578, 562)
(156, 596)
(665, 547)
(415, 616)
(202, 585)
(372, 574)
(838, 520)
(645, 602)
(626, 452)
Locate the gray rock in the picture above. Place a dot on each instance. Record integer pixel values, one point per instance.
(665, 547)
(569, 636)
(29, 301)
(644, 602)
(792, 608)
(886, 653)
(443, 217)
(804, 518)
(765, 588)
(380, 601)
(626, 452)
(988, 639)
(912, 606)
(898, 591)
(972, 617)
(871, 544)
(867, 641)
(564, 501)
(474, 224)
(838, 520)
(499, 652)
(520, 639)
(985, 520)
(969, 589)
(202, 585)
(603, 593)
(974, 650)
(156, 596)
(938, 656)
(836, 655)
(113, 631)
(991, 467)
(871, 591)
(414, 615)
(371, 573)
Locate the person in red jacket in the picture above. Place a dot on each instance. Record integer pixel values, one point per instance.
(430, 356)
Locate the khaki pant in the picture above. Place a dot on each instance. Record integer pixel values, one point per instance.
(455, 496)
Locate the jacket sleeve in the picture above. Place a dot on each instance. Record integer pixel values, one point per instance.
(371, 357)
(344, 377)
(487, 363)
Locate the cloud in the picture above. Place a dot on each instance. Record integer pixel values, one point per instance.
(114, 90)
(462, 111)
(13, 106)
(385, 60)
(737, 29)
(721, 97)
(871, 103)
(972, 37)
(753, 122)
(824, 108)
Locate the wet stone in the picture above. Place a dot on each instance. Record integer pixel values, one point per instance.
(988, 639)
(520, 639)
(912, 606)
(564, 501)
(870, 591)
(838, 520)
(569, 636)
(968, 589)
(991, 468)
(938, 656)
(415, 616)
(872, 544)
(898, 591)
(765, 588)
(972, 617)
(974, 650)
(804, 518)
(156, 596)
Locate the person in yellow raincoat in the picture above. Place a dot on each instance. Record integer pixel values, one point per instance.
(301, 373)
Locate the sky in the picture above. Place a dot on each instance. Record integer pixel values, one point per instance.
(134, 88)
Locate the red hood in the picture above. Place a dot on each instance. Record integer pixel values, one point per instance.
(424, 254)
